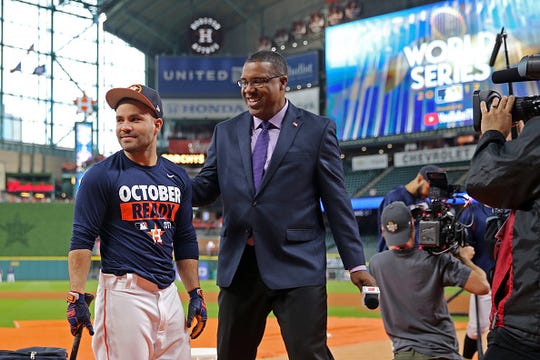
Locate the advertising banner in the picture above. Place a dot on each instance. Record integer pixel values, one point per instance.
(303, 70)
(210, 77)
(198, 76)
(416, 70)
(200, 109)
(434, 156)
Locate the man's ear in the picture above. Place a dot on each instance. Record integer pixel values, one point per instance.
(283, 81)
(158, 123)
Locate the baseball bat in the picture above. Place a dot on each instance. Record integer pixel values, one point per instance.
(77, 338)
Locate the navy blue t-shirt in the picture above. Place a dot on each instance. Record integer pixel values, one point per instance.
(474, 217)
(142, 214)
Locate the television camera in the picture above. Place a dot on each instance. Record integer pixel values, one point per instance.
(439, 228)
(524, 108)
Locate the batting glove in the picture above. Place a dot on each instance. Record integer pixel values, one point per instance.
(197, 310)
(77, 313)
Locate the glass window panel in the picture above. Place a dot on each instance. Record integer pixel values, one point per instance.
(39, 108)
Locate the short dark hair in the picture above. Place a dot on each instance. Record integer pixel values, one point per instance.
(276, 59)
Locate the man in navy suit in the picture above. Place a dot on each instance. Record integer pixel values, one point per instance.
(272, 254)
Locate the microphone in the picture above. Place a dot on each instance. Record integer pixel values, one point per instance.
(371, 296)
(506, 76)
(496, 48)
(527, 69)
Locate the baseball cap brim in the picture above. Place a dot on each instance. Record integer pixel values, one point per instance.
(114, 96)
(397, 238)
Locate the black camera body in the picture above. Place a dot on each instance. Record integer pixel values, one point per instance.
(439, 229)
(524, 108)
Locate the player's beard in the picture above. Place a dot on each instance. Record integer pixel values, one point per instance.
(139, 147)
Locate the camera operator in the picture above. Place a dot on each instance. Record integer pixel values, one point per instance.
(414, 193)
(505, 174)
(411, 281)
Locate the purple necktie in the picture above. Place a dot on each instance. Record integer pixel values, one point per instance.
(259, 154)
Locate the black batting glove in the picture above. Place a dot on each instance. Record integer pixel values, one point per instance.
(197, 310)
(77, 313)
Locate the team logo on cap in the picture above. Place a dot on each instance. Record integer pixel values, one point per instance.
(392, 227)
(137, 88)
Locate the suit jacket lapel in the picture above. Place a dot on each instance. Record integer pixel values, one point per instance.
(243, 134)
(289, 128)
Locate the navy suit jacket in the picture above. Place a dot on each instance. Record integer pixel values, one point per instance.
(284, 216)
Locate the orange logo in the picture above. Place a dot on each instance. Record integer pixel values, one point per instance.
(136, 87)
(156, 233)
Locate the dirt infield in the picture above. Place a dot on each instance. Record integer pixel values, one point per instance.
(348, 338)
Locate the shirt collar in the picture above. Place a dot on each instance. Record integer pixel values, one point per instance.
(275, 120)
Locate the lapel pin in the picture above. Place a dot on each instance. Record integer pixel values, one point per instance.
(295, 124)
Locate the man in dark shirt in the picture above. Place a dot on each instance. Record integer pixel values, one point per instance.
(412, 194)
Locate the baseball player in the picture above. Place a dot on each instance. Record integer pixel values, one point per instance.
(139, 204)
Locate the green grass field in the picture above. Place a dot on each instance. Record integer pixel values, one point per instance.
(334, 286)
(54, 309)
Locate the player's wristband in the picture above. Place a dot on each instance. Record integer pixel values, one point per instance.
(73, 296)
(195, 292)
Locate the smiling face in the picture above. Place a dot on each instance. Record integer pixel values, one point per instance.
(266, 101)
(136, 130)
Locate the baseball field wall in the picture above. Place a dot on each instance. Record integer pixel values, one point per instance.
(35, 229)
(34, 240)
